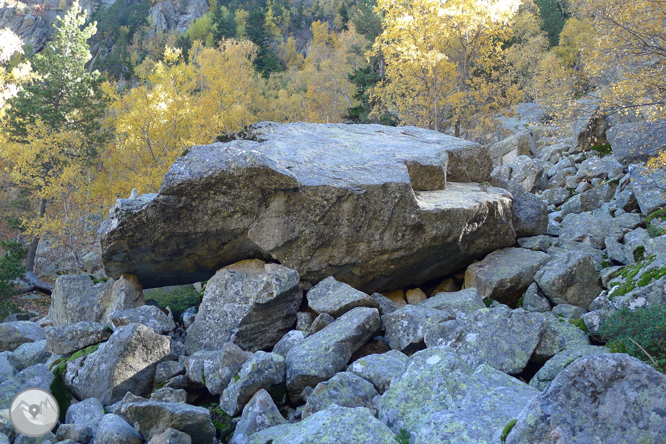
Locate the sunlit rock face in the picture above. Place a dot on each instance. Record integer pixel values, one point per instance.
(376, 207)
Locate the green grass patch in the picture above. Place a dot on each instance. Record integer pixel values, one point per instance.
(640, 333)
(402, 437)
(178, 298)
(488, 302)
(223, 423)
(639, 253)
(629, 274)
(603, 149)
(580, 324)
(507, 429)
(659, 215)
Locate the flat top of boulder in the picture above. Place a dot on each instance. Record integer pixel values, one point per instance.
(325, 154)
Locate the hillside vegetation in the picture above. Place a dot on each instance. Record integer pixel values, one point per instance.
(79, 132)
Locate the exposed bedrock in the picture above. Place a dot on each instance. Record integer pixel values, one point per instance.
(376, 207)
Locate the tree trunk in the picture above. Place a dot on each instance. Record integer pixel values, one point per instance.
(32, 251)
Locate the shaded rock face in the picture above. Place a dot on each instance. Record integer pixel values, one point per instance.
(367, 204)
(251, 309)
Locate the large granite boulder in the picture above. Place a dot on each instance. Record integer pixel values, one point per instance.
(637, 141)
(344, 389)
(67, 339)
(320, 356)
(570, 278)
(37, 376)
(609, 398)
(13, 334)
(250, 307)
(125, 363)
(148, 315)
(367, 204)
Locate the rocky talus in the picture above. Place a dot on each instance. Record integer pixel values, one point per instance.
(365, 285)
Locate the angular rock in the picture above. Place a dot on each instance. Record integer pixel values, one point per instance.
(171, 436)
(499, 337)
(599, 168)
(67, 339)
(336, 298)
(168, 394)
(89, 412)
(406, 327)
(253, 310)
(76, 432)
(125, 363)
(7, 370)
(505, 274)
(288, 342)
(321, 322)
(167, 370)
(151, 418)
(637, 141)
(320, 356)
(148, 315)
(530, 214)
(215, 368)
(440, 398)
(335, 425)
(569, 278)
(648, 188)
(13, 334)
(313, 197)
(559, 179)
(611, 397)
(29, 354)
(534, 300)
(77, 299)
(463, 301)
(506, 150)
(397, 297)
(415, 296)
(386, 305)
(380, 369)
(344, 389)
(37, 376)
(126, 293)
(559, 334)
(555, 196)
(115, 430)
(525, 172)
(568, 311)
(587, 228)
(262, 371)
(542, 379)
(258, 414)
(304, 320)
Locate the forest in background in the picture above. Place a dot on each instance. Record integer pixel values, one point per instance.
(78, 133)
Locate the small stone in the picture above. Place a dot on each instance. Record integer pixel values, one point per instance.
(168, 394)
(380, 369)
(115, 430)
(288, 341)
(415, 296)
(76, 432)
(337, 298)
(397, 297)
(321, 322)
(171, 436)
(258, 414)
(344, 389)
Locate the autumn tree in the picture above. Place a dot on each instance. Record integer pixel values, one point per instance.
(442, 60)
(60, 114)
(11, 77)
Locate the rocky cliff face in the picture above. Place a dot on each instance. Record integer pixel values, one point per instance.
(31, 20)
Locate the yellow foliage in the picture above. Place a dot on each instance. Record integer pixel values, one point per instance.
(289, 55)
(11, 78)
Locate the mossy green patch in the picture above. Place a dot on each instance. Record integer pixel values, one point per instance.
(639, 253)
(507, 429)
(177, 299)
(488, 302)
(603, 149)
(629, 273)
(604, 264)
(223, 423)
(161, 385)
(580, 324)
(653, 229)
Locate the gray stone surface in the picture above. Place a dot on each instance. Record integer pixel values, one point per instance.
(261, 371)
(536, 243)
(151, 418)
(386, 305)
(288, 341)
(7, 370)
(637, 141)
(606, 397)
(125, 363)
(642, 284)
(167, 370)
(89, 412)
(337, 298)
(344, 389)
(526, 172)
(63, 340)
(534, 300)
(505, 274)
(252, 309)
(321, 322)
(441, 399)
(148, 315)
(569, 278)
(463, 301)
(406, 327)
(542, 379)
(258, 414)
(320, 356)
(380, 369)
(587, 228)
(29, 354)
(568, 311)
(313, 197)
(77, 432)
(506, 150)
(335, 425)
(13, 334)
(168, 394)
(215, 368)
(558, 335)
(499, 337)
(555, 196)
(648, 188)
(115, 430)
(606, 167)
(171, 436)
(37, 376)
(530, 214)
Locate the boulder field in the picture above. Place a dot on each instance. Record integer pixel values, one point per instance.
(292, 342)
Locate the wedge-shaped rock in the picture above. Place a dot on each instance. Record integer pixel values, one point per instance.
(559, 334)
(406, 327)
(125, 363)
(215, 368)
(13, 334)
(252, 309)
(380, 369)
(151, 418)
(502, 338)
(148, 315)
(367, 204)
(67, 339)
(320, 356)
(337, 298)
(570, 278)
(463, 301)
(335, 425)
(258, 414)
(560, 361)
(344, 389)
(597, 398)
(442, 399)
(505, 274)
